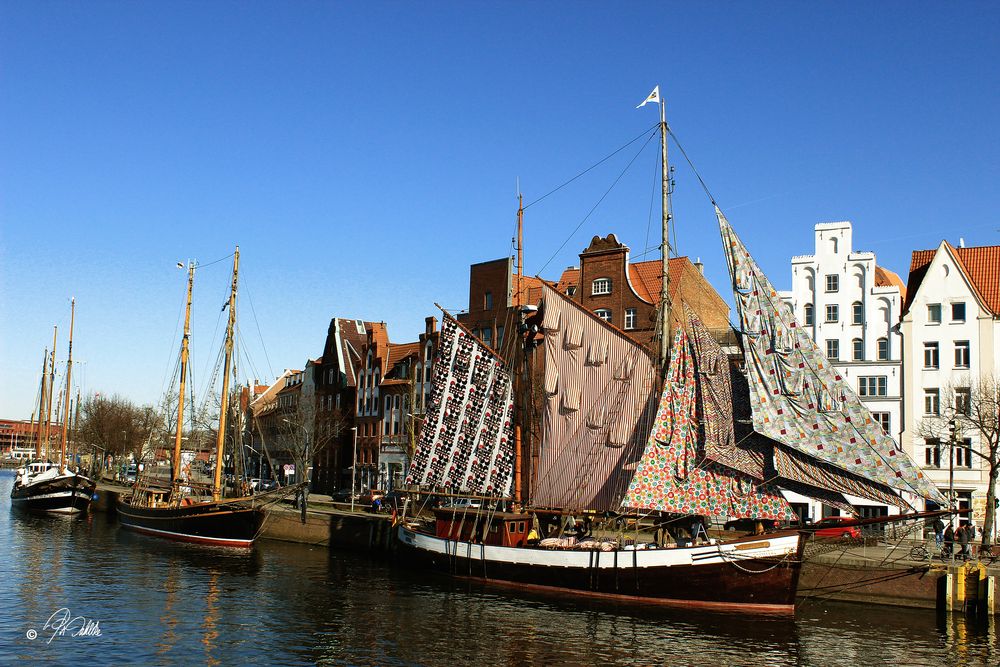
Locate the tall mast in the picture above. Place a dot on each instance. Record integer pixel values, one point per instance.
(220, 439)
(76, 425)
(185, 342)
(518, 454)
(52, 385)
(41, 406)
(665, 247)
(69, 373)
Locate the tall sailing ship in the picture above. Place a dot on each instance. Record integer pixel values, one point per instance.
(628, 435)
(181, 511)
(43, 485)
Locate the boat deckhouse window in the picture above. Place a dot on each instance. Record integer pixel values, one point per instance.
(934, 313)
(601, 286)
(958, 312)
(833, 283)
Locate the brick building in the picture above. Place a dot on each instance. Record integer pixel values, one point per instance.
(626, 294)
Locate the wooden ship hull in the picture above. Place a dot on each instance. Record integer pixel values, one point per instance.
(228, 523)
(68, 493)
(757, 574)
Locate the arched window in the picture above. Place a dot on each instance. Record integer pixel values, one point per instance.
(857, 313)
(395, 415)
(834, 242)
(601, 286)
(386, 414)
(809, 314)
(858, 346)
(883, 349)
(604, 314)
(375, 390)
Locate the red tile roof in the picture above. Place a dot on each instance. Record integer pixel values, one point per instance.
(981, 266)
(886, 278)
(398, 352)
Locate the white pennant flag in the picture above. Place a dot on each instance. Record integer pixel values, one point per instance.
(654, 97)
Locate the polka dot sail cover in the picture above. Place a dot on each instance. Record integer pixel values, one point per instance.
(798, 397)
(672, 476)
(467, 440)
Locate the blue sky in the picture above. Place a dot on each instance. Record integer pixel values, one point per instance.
(364, 154)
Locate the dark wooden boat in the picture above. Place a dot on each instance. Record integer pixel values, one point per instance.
(41, 487)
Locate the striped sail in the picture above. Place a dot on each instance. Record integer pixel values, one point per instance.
(467, 442)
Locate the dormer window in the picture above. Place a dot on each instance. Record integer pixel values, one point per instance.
(571, 290)
(601, 286)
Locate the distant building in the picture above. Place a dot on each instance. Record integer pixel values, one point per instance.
(951, 337)
(851, 306)
(17, 438)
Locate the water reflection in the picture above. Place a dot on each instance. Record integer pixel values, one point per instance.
(164, 603)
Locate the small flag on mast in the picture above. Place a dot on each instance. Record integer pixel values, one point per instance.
(654, 97)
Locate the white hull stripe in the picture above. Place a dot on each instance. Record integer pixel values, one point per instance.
(774, 547)
(187, 536)
(58, 494)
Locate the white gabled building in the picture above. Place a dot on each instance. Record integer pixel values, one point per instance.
(850, 306)
(951, 338)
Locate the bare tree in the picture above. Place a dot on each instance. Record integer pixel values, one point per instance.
(973, 408)
(116, 425)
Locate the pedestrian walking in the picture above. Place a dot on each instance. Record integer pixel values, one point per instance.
(949, 541)
(938, 526)
(964, 539)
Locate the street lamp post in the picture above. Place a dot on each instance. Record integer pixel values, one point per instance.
(354, 465)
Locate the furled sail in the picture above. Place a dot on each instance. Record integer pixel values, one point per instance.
(798, 398)
(674, 477)
(598, 390)
(466, 444)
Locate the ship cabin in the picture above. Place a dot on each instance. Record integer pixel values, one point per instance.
(503, 529)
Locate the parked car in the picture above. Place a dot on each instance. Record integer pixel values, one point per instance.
(465, 503)
(833, 526)
(343, 496)
(394, 500)
(262, 484)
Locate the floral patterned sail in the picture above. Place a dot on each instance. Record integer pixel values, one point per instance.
(467, 440)
(672, 476)
(798, 397)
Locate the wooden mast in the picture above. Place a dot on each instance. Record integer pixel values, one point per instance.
(175, 472)
(518, 455)
(41, 406)
(220, 439)
(665, 247)
(52, 384)
(69, 373)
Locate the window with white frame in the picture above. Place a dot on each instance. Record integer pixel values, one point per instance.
(857, 313)
(858, 349)
(832, 312)
(629, 318)
(934, 313)
(958, 311)
(963, 400)
(961, 354)
(932, 453)
(604, 314)
(882, 349)
(882, 418)
(932, 402)
(601, 286)
(832, 349)
(931, 355)
(872, 385)
(832, 283)
(963, 453)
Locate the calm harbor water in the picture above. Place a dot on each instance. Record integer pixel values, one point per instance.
(160, 603)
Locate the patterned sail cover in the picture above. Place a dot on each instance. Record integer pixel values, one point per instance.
(797, 396)
(466, 444)
(715, 387)
(598, 406)
(673, 477)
